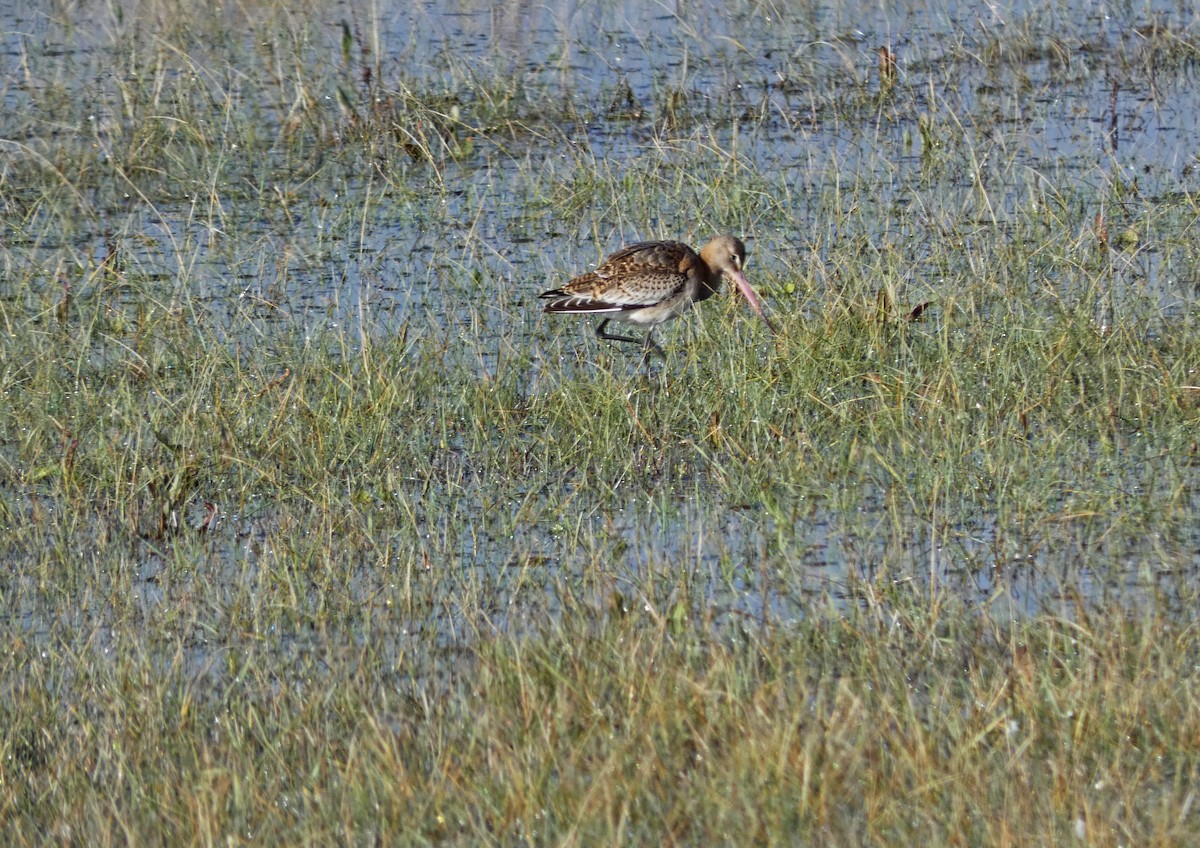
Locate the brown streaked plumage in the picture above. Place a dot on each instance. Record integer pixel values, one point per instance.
(652, 282)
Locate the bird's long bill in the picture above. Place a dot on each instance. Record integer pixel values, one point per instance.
(743, 285)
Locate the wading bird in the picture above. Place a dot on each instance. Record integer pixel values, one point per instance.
(652, 282)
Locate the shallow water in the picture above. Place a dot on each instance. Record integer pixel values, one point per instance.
(1069, 111)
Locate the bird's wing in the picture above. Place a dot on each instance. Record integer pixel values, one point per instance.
(637, 275)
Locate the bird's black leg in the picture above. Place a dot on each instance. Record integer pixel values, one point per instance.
(651, 346)
(648, 345)
(613, 337)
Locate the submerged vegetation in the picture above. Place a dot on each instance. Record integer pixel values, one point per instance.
(315, 530)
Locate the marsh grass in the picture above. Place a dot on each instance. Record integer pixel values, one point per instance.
(315, 531)
(887, 724)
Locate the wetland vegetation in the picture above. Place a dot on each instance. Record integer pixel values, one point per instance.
(317, 531)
